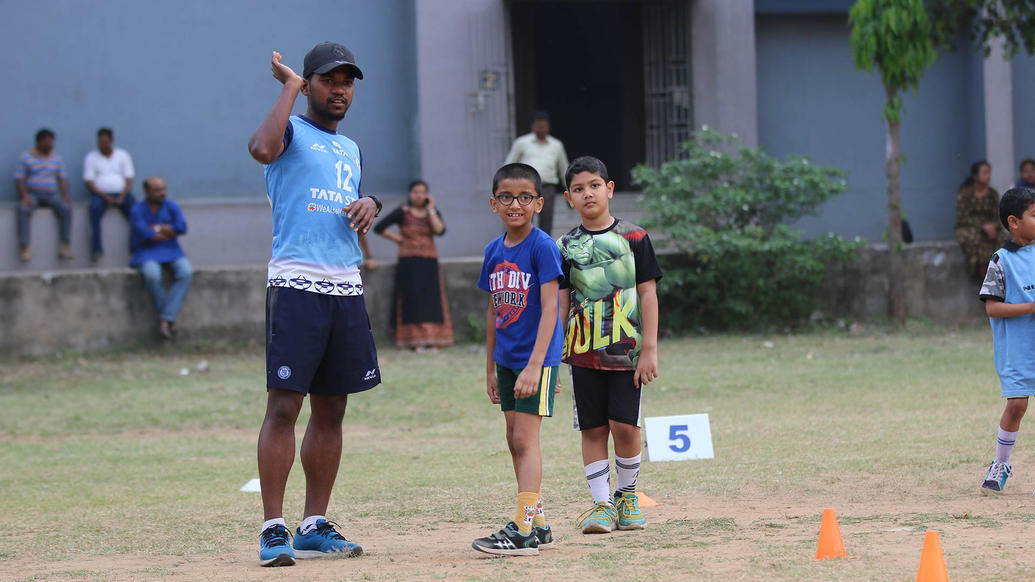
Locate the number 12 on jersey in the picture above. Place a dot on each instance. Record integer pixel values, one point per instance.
(678, 438)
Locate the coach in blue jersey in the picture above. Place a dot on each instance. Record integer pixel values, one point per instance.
(318, 338)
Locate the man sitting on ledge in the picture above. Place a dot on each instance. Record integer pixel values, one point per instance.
(156, 224)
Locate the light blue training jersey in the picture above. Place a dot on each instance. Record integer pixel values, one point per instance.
(1011, 279)
(316, 176)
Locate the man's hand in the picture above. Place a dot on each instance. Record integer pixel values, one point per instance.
(282, 72)
(26, 201)
(168, 232)
(647, 368)
(361, 214)
(369, 264)
(492, 387)
(527, 383)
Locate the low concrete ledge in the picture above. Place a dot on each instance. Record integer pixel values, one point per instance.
(83, 310)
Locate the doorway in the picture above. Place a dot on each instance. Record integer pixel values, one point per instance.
(582, 62)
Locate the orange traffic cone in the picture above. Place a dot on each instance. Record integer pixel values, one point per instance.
(830, 543)
(646, 501)
(932, 562)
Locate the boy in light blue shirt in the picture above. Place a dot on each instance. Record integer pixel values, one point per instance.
(1009, 295)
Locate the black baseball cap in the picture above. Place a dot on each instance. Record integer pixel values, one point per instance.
(327, 56)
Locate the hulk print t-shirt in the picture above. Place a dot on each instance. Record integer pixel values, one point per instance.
(601, 270)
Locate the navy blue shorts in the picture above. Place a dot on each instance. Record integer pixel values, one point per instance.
(319, 344)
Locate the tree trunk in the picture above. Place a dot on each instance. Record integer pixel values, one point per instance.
(896, 283)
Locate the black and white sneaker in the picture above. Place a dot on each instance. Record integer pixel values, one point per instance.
(544, 537)
(508, 542)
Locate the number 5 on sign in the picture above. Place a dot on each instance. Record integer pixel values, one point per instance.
(678, 438)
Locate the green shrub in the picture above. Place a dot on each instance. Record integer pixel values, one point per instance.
(724, 212)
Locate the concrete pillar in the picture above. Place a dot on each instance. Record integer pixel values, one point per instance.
(724, 77)
(998, 82)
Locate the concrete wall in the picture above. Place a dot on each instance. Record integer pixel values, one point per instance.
(90, 310)
(220, 232)
(464, 131)
(724, 80)
(185, 83)
(813, 101)
(1023, 112)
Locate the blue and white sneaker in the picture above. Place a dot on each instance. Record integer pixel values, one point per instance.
(274, 549)
(324, 541)
(995, 480)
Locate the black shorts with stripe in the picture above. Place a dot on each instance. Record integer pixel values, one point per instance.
(319, 344)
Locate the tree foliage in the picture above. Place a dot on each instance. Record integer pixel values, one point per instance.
(983, 21)
(739, 265)
(897, 38)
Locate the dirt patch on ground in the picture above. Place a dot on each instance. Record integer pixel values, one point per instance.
(690, 538)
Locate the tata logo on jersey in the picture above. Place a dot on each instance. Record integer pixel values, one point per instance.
(330, 196)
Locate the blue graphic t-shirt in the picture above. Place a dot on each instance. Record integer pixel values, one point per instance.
(316, 176)
(513, 276)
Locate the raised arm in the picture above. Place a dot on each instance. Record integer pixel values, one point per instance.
(268, 140)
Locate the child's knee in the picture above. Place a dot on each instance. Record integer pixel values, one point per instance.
(1016, 407)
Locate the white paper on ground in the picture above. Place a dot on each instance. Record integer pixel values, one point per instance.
(251, 486)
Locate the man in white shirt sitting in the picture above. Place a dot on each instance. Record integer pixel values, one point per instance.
(546, 154)
(108, 173)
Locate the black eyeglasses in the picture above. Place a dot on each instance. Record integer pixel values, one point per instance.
(508, 199)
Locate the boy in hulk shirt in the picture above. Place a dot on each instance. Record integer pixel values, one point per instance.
(610, 305)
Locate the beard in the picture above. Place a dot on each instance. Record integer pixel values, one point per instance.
(324, 110)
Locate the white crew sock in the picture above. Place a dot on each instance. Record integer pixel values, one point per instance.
(628, 468)
(271, 522)
(1005, 445)
(598, 474)
(309, 523)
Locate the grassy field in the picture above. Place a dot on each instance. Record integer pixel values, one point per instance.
(119, 467)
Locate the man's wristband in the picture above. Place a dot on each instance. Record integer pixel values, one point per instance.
(377, 201)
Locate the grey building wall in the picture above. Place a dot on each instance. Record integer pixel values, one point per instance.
(465, 130)
(1023, 112)
(184, 84)
(813, 101)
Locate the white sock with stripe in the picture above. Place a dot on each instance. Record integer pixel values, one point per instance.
(598, 474)
(628, 468)
(1004, 445)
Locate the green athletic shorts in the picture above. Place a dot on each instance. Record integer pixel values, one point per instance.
(540, 403)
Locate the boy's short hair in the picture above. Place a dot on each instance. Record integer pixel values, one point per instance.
(43, 133)
(106, 131)
(1026, 162)
(518, 171)
(1014, 203)
(585, 164)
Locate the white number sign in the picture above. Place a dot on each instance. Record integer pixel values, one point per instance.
(679, 438)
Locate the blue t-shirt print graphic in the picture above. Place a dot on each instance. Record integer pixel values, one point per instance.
(513, 275)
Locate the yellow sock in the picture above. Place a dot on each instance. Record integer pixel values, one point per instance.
(540, 518)
(525, 511)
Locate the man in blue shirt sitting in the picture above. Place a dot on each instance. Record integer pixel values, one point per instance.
(156, 225)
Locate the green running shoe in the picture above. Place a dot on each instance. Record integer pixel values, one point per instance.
(601, 518)
(629, 514)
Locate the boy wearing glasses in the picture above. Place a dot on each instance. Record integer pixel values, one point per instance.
(523, 347)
